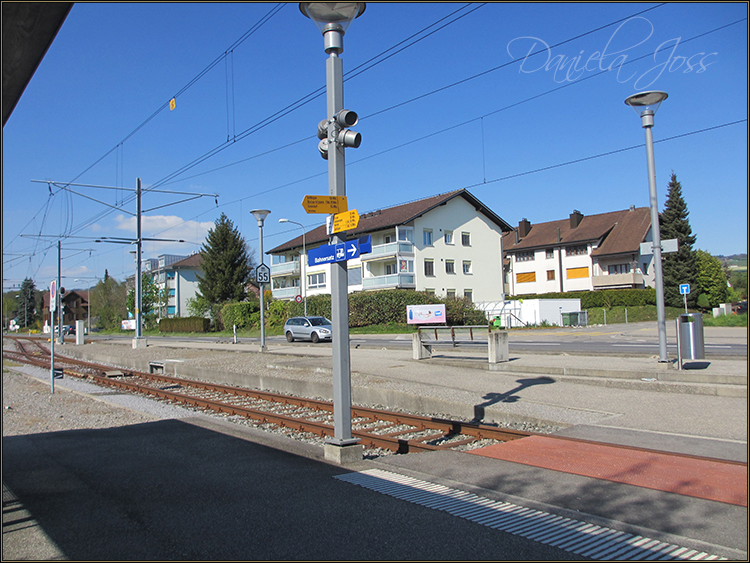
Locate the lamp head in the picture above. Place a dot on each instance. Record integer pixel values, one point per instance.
(332, 19)
(646, 101)
(260, 215)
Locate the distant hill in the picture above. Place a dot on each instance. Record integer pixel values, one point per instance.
(738, 261)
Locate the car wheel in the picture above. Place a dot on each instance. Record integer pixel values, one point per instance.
(289, 337)
(315, 338)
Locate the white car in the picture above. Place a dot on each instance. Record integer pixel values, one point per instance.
(308, 328)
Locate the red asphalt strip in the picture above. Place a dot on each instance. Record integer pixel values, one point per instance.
(701, 478)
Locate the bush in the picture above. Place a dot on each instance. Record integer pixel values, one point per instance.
(239, 314)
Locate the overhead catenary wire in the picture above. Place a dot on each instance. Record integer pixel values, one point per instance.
(507, 107)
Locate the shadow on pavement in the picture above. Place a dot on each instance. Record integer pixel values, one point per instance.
(171, 490)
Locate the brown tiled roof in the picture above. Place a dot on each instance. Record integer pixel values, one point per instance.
(390, 217)
(624, 231)
(192, 261)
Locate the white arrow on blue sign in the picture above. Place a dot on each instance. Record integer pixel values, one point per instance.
(684, 289)
(333, 253)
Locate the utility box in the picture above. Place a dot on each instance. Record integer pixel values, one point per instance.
(690, 345)
(80, 331)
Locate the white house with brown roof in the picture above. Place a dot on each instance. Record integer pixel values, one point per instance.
(449, 244)
(579, 253)
(179, 275)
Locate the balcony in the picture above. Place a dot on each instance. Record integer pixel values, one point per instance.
(389, 250)
(286, 292)
(614, 281)
(407, 281)
(285, 269)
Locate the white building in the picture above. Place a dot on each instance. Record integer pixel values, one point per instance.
(582, 253)
(449, 244)
(179, 275)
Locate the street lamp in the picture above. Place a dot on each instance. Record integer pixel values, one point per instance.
(302, 258)
(260, 215)
(332, 19)
(645, 105)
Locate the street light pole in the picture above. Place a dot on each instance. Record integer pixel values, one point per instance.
(302, 258)
(332, 19)
(260, 215)
(645, 105)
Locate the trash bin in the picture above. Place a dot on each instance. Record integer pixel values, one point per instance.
(690, 336)
(566, 319)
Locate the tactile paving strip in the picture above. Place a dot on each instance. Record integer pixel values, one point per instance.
(695, 477)
(574, 536)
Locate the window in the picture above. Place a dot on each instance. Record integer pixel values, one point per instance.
(316, 280)
(467, 266)
(387, 239)
(171, 292)
(451, 293)
(526, 277)
(406, 266)
(550, 275)
(466, 239)
(469, 294)
(405, 234)
(524, 256)
(429, 268)
(575, 273)
(579, 250)
(448, 237)
(450, 267)
(618, 269)
(549, 253)
(427, 237)
(430, 290)
(390, 269)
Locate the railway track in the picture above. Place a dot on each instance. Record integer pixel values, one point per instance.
(375, 428)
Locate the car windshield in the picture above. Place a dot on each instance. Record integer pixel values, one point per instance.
(319, 321)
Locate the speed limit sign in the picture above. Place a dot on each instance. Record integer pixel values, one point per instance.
(298, 299)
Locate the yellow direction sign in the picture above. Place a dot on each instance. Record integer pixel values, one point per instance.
(345, 221)
(325, 203)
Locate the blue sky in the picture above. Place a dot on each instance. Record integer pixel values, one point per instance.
(455, 100)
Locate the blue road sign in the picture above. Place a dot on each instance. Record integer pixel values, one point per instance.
(333, 253)
(684, 289)
(365, 244)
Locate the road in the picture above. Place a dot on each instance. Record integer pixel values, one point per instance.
(634, 339)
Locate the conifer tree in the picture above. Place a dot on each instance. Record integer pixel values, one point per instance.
(678, 267)
(226, 264)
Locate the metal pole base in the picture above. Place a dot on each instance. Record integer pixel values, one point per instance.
(140, 342)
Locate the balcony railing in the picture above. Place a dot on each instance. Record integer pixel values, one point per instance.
(393, 280)
(387, 250)
(632, 279)
(286, 292)
(285, 269)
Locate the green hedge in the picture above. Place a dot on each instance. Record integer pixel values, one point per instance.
(368, 308)
(606, 298)
(185, 324)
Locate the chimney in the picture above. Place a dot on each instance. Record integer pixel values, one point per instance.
(575, 218)
(524, 227)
